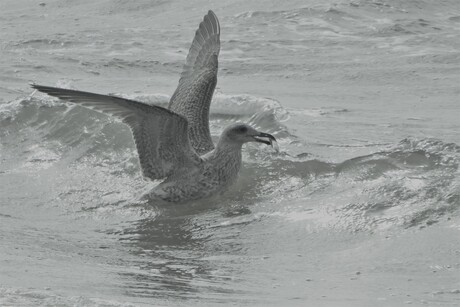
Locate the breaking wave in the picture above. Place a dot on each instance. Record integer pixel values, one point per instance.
(90, 156)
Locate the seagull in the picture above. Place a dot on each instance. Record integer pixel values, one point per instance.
(174, 145)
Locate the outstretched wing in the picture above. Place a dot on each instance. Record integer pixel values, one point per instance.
(160, 134)
(193, 95)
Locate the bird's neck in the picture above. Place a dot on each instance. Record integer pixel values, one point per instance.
(224, 160)
(226, 150)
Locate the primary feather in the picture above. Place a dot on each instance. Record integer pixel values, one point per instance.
(160, 134)
(198, 80)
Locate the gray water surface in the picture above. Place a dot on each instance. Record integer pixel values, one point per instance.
(360, 207)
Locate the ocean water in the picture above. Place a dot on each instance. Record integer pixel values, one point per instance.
(361, 206)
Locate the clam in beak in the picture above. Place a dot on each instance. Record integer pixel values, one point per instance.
(267, 139)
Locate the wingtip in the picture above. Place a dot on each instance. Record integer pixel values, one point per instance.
(32, 84)
(213, 17)
(36, 86)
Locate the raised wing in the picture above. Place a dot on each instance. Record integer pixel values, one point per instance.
(160, 134)
(193, 95)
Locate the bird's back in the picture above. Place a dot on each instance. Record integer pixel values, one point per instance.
(219, 169)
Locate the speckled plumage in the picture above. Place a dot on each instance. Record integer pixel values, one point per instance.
(198, 80)
(175, 145)
(216, 172)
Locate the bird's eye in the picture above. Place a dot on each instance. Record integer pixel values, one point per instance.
(243, 129)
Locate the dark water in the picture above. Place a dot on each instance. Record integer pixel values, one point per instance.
(359, 208)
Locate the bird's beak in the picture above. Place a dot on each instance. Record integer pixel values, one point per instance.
(266, 139)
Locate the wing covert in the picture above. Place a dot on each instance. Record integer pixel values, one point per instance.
(160, 135)
(198, 80)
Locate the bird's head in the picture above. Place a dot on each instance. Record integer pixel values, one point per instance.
(243, 133)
